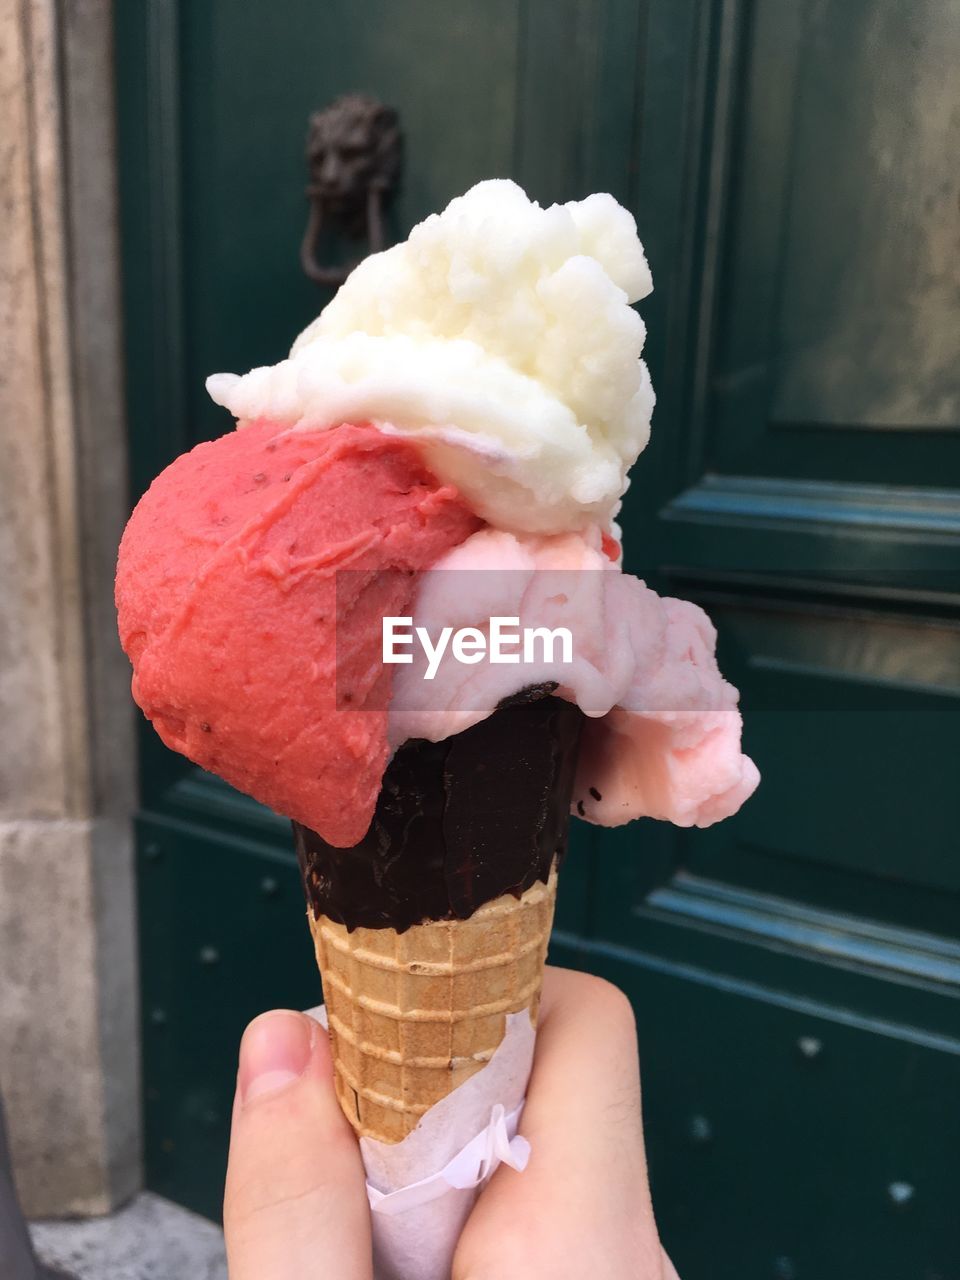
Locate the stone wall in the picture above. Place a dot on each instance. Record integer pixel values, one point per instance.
(68, 1023)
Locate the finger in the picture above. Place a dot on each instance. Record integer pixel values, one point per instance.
(669, 1270)
(295, 1201)
(582, 1206)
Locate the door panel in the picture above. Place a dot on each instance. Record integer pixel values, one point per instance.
(836, 355)
(853, 715)
(796, 971)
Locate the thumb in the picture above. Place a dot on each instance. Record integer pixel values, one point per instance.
(295, 1201)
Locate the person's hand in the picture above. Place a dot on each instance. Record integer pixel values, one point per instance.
(582, 1205)
(296, 1201)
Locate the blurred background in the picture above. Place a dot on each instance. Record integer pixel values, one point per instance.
(792, 165)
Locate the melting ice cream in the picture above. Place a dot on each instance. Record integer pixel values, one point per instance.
(471, 400)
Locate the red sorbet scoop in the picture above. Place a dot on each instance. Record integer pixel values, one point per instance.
(227, 597)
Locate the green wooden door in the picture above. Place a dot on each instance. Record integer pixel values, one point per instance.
(792, 164)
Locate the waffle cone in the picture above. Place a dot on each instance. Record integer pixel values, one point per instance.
(414, 1014)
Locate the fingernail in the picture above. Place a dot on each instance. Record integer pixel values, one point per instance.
(274, 1052)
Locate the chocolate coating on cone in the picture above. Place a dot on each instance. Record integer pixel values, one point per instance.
(458, 823)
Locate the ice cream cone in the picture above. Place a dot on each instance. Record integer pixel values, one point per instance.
(435, 927)
(414, 1014)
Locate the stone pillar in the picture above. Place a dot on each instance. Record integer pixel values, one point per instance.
(68, 1021)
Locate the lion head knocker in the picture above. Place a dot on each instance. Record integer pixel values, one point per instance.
(354, 150)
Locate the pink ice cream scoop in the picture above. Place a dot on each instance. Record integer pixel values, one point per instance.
(230, 608)
(661, 738)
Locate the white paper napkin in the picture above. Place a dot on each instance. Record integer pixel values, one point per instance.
(421, 1190)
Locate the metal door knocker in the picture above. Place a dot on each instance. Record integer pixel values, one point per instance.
(354, 154)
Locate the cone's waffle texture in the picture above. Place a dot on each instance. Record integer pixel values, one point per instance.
(414, 1014)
